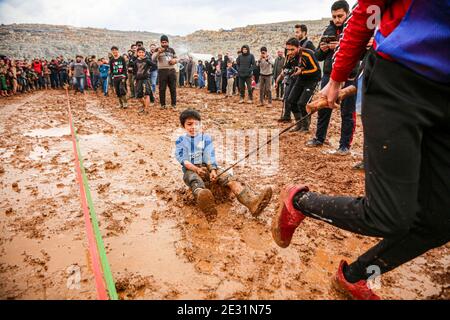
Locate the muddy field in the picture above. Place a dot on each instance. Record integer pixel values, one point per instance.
(158, 244)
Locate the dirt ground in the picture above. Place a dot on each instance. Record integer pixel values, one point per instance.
(159, 245)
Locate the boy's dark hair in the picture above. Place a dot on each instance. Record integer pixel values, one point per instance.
(341, 4)
(164, 38)
(189, 114)
(114, 48)
(141, 49)
(263, 49)
(302, 27)
(293, 42)
(79, 56)
(139, 43)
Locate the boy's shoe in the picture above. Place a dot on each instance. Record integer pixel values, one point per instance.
(269, 105)
(255, 203)
(314, 142)
(206, 201)
(241, 101)
(287, 218)
(250, 101)
(173, 107)
(342, 152)
(125, 105)
(163, 107)
(281, 120)
(357, 291)
(141, 111)
(261, 105)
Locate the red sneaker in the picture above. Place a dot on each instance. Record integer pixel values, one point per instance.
(357, 291)
(288, 218)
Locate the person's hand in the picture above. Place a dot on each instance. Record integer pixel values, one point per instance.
(213, 175)
(201, 171)
(324, 46)
(160, 50)
(333, 44)
(172, 61)
(276, 85)
(298, 71)
(331, 92)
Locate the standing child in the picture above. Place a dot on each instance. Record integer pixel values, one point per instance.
(104, 75)
(231, 75)
(195, 152)
(141, 72)
(218, 78)
(118, 67)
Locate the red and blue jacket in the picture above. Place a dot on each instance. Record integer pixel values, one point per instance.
(413, 33)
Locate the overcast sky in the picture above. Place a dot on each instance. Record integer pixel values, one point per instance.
(174, 17)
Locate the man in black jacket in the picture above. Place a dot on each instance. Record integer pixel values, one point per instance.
(340, 11)
(301, 32)
(246, 63)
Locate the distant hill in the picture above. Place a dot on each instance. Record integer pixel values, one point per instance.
(40, 40)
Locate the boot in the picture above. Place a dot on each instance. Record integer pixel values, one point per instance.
(254, 202)
(205, 201)
(299, 125)
(120, 103)
(305, 125)
(125, 102)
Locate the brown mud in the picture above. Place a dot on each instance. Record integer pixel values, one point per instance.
(159, 245)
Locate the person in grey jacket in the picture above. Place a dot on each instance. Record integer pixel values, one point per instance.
(265, 64)
(277, 69)
(245, 63)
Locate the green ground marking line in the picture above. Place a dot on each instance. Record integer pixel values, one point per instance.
(100, 244)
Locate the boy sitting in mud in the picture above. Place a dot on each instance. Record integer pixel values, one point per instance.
(195, 152)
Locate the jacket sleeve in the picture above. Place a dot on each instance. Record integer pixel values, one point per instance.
(180, 152)
(209, 154)
(354, 40)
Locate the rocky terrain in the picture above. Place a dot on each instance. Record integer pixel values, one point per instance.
(38, 40)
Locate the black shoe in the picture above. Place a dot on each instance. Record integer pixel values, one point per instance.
(314, 143)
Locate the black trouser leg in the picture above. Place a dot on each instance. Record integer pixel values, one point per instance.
(172, 81)
(287, 106)
(163, 80)
(245, 81)
(323, 115)
(406, 123)
(348, 119)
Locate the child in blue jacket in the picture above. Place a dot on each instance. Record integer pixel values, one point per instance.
(195, 152)
(104, 75)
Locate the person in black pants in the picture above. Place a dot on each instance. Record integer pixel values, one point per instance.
(325, 52)
(406, 123)
(246, 64)
(304, 73)
(167, 59)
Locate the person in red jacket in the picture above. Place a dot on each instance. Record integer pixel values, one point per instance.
(406, 123)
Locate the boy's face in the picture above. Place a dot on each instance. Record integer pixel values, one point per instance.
(263, 54)
(339, 16)
(115, 52)
(141, 54)
(192, 126)
(291, 50)
(229, 64)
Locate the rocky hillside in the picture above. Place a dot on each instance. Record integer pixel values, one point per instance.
(36, 40)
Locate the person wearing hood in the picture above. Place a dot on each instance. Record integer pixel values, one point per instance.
(246, 63)
(210, 70)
